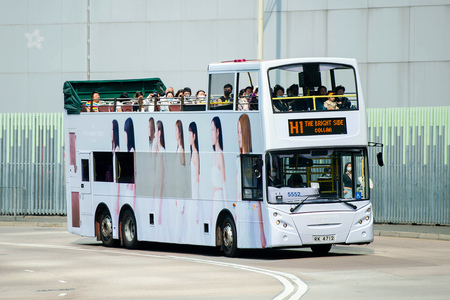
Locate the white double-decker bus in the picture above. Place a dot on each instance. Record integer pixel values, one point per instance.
(274, 156)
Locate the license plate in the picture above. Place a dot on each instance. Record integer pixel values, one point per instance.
(323, 238)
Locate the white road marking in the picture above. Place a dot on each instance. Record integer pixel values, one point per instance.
(290, 282)
(62, 281)
(62, 294)
(31, 271)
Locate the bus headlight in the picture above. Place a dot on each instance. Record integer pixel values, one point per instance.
(277, 222)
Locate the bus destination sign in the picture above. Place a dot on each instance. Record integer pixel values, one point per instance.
(317, 126)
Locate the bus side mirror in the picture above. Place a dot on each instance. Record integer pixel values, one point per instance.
(257, 168)
(379, 154)
(380, 159)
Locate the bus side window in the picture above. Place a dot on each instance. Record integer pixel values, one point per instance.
(124, 167)
(221, 91)
(246, 84)
(251, 171)
(103, 166)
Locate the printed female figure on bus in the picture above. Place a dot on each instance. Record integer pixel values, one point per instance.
(195, 160)
(114, 147)
(151, 134)
(218, 163)
(129, 134)
(245, 147)
(192, 210)
(179, 184)
(159, 165)
(115, 136)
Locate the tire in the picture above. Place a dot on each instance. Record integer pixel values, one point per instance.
(106, 232)
(129, 232)
(321, 249)
(229, 237)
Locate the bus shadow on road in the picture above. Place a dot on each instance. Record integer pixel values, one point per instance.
(266, 254)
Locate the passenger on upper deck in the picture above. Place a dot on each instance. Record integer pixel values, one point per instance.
(95, 98)
(279, 104)
(297, 104)
(169, 89)
(227, 93)
(322, 91)
(179, 93)
(342, 102)
(200, 96)
(253, 102)
(123, 97)
(187, 92)
(331, 103)
(242, 100)
(248, 91)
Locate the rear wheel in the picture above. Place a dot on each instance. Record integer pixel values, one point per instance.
(229, 237)
(129, 233)
(321, 249)
(106, 232)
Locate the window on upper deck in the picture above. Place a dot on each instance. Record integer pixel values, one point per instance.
(247, 97)
(221, 95)
(313, 87)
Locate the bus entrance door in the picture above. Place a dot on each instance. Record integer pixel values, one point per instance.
(85, 187)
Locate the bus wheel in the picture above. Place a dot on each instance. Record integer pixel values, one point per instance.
(229, 237)
(129, 233)
(106, 232)
(321, 249)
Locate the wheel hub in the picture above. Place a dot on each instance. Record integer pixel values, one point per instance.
(129, 229)
(107, 227)
(228, 236)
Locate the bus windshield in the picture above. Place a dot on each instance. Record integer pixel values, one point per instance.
(313, 87)
(306, 175)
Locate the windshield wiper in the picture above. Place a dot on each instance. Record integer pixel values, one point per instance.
(300, 203)
(349, 204)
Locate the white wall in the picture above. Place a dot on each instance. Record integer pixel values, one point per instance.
(402, 46)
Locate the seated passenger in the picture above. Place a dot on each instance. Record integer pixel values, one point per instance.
(186, 92)
(322, 91)
(138, 100)
(342, 102)
(248, 91)
(200, 97)
(227, 93)
(279, 105)
(122, 98)
(273, 180)
(297, 104)
(331, 103)
(95, 99)
(166, 101)
(242, 100)
(295, 180)
(253, 102)
(179, 94)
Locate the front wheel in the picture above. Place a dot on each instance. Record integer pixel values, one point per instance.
(321, 249)
(229, 237)
(129, 233)
(106, 232)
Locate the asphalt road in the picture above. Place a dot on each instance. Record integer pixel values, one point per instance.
(50, 263)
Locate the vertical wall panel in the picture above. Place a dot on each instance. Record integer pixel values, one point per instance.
(414, 184)
(31, 164)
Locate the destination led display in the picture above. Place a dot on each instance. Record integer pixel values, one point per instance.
(317, 126)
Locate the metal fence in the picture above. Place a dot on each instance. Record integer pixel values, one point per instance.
(412, 187)
(31, 160)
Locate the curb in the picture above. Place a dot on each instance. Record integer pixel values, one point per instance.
(412, 235)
